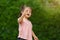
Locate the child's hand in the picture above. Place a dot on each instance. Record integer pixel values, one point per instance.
(24, 12)
(36, 38)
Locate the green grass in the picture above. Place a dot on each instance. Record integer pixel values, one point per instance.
(45, 19)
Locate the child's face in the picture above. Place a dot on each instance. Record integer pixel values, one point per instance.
(27, 10)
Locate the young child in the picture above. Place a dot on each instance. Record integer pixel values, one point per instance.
(25, 26)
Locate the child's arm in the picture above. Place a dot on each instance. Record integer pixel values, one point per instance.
(21, 18)
(35, 37)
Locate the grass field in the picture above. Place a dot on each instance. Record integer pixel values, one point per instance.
(45, 18)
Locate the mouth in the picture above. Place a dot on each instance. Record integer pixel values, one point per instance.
(28, 14)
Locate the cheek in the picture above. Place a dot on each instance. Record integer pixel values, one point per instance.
(30, 15)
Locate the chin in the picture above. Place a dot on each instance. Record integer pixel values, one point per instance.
(27, 16)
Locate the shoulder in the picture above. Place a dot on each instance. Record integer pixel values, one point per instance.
(30, 21)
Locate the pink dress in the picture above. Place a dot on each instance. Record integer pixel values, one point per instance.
(25, 29)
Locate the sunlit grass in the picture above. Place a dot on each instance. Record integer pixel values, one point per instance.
(52, 6)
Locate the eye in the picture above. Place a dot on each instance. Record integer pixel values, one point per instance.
(26, 10)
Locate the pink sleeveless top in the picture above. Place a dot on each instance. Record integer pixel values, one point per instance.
(25, 29)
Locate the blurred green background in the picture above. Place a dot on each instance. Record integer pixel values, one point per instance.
(45, 18)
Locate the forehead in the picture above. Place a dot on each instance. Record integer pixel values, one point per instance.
(27, 8)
